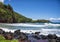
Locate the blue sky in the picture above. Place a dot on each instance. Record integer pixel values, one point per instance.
(36, 9)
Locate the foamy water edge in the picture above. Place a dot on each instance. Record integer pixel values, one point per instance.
(43, 31)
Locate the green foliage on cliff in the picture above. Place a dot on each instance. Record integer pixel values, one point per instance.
(8, 15)
(41, 21)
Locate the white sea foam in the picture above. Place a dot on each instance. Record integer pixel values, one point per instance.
(29, 25)
(33, 25)
(43, 31)
(50, 31)
(7, 30)
(50, 24)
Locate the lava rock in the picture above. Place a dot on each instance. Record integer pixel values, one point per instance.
(8, 35)
(2, 31)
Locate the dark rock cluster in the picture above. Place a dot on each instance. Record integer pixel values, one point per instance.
(25, 37)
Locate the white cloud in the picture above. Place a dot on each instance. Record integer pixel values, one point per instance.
(1, 0)
(54, 19)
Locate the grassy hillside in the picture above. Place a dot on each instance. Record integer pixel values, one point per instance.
(8, 15)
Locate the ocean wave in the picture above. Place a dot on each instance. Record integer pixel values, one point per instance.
(26, 25)
(51, 24)
(7, 30)
(50, 31)
(33, 25)
(43, 31)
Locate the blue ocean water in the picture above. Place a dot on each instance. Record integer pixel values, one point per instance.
(44, 28)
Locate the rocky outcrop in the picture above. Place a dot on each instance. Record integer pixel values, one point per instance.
(24, 37)
(2, 31)
(8, 35)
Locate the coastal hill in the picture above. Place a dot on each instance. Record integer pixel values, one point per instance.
(8, 15)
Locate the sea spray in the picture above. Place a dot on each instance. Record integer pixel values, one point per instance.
(45, 29)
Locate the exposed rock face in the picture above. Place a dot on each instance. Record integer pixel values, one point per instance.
(8, 35)
(1, 31)
(16, 34)
(37, 33)
(58, 39)
(43, 37)
(52, 40)
(25, 37)
(50, 36)
(22, 37)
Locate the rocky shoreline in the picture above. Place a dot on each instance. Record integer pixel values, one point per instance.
(26, 37)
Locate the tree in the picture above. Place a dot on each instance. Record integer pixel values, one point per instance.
(9, 7)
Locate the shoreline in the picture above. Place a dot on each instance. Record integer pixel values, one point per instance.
(27, 37)
(25, 31)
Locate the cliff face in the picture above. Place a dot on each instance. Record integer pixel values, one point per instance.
(8, 15)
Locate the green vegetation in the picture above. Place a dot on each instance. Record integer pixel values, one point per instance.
(2, 39)
(8, 15)
(41, 21)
